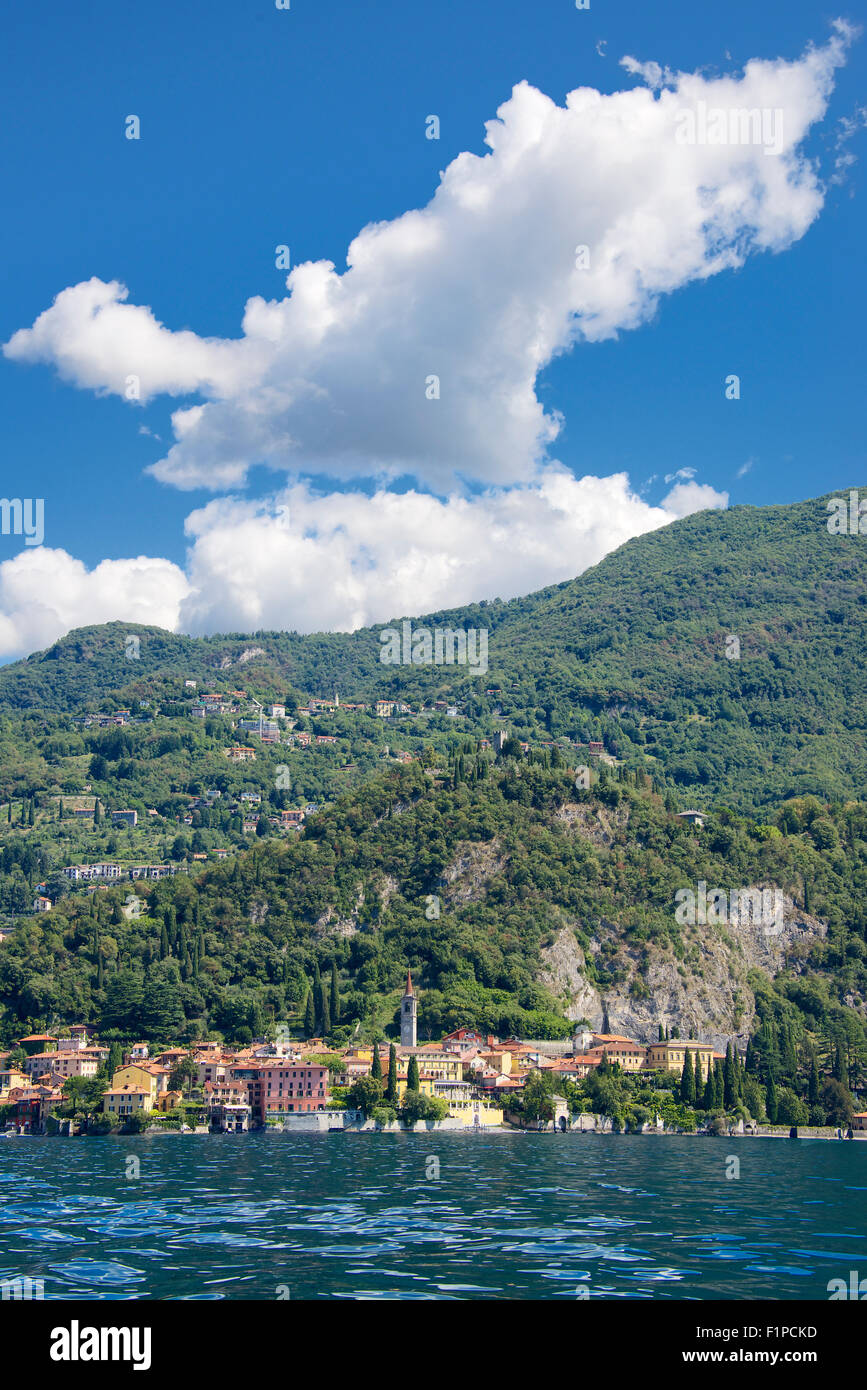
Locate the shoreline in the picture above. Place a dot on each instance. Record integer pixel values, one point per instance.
(436, 1127)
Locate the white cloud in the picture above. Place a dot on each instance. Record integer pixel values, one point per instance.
(44, 593)
(338, 562)
(479, 288)
(686, 498)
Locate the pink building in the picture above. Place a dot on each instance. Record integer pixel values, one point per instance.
(280, 1087)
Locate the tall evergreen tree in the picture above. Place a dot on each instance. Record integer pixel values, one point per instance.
(317, 993)
(687, 1080)
(729, 1080)
(376, 1067)
(391, 1086)
(324, 1010)
(750, 1058)
(413, 1082)
(771, 1099)
(718, 1085)
(335, 996)
(709, 1101)
(309, 1014)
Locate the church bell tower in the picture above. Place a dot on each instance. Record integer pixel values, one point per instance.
(408, 1015)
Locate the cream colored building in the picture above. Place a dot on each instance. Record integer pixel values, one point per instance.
(669, 1056)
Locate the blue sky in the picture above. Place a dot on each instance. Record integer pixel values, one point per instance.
(263, 127)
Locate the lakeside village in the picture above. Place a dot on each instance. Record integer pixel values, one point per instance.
(69, 1085)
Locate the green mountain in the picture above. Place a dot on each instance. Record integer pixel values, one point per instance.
(719, 663)
(722, 653)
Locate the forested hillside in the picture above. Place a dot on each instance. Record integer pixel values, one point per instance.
(723, 653)
(478, 881)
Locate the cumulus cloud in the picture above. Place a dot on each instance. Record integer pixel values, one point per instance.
(310, 562)
(481, 288)
(44, 593)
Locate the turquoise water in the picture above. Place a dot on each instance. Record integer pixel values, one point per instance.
(364, 1216)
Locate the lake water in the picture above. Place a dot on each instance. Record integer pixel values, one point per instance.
(365, 1216)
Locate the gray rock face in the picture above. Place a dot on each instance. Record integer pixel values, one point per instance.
(707, 992)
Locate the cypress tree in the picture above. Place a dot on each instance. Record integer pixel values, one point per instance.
(164, 942)
(335, 996)
(97, 813)
(391, 1087)
(317, 991)
(661, 1036)
(718, 1085)
(30, 815)
(771, 1099)
(376, 1067)
(839, 1069)
(309, 1014)
(413, 1082)
(709, 1091)
(324, 1009)
(729, 1082)
(687, 1081)
(60, 810)
(750, 1058)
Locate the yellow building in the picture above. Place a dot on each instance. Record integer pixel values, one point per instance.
(167, 1100)
(126, 1100)
(434, 1067)
(475, 1112)
(10, 1078)
(631, 1056)
(149, 1076)
(669, 1056)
